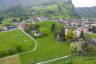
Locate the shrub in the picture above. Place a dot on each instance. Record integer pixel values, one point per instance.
(3, 53)
(11, 51)
(18, 49)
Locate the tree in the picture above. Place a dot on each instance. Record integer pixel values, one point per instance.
(1, 19)
(74, 51)
(55, 34)
(62, 34)
(53, 27)
(85, 48)
(10, 51)
(3, 53)
(14, 19)
(82, 34)
(18, 49)
(36, 27)
(21, 19)
(28, 28)
(92, 50)
(71, 34)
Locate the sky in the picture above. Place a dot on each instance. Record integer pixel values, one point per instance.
(84, 3)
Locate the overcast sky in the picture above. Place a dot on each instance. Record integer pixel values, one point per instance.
(84, 3)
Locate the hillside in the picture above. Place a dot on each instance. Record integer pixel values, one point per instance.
(59, 10)
(7, 3)
(35, 8)
(87, 12)
(48, 48)
(29, 3)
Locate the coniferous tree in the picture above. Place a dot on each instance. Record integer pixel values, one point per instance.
(19, 49)
(62, 34)
(82, 34)
(53, 27)
(1, 19)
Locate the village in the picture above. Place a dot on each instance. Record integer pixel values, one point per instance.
(78, 24)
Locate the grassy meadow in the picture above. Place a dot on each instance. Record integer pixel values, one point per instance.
(12, 39)
(48, 47)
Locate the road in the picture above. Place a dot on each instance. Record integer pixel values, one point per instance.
(64, 57)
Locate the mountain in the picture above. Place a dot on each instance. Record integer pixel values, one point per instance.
(86, 12)
(35, 8)
(26, 3)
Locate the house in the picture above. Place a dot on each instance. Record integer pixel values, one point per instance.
(36, 33)
(23, 25)
(4, 28)
(16, 22)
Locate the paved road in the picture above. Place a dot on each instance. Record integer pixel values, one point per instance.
(64, 57)
(36, 43)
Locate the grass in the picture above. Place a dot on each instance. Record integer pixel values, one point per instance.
(48, 47)
(7, 21)
(93, 35)
(13, 39)
(76, 60)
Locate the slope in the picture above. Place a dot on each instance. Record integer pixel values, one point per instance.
(87, 12)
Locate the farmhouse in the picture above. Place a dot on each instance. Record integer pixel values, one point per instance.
(16, 22)
(23, 25)
(36, 32)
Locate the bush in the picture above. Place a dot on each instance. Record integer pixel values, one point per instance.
(18, 49)
(11, 51)
(3, 53)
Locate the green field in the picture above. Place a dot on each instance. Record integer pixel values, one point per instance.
(12, 39)
(48, 47)
(93, 35)
(77, 59)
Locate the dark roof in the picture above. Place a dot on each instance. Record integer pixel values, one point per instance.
(15, 21)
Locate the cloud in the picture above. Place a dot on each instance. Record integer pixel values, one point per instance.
(84, 3)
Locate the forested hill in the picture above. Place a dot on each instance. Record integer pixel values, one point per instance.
(87, 12)
(35, 8)
(27, 3)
